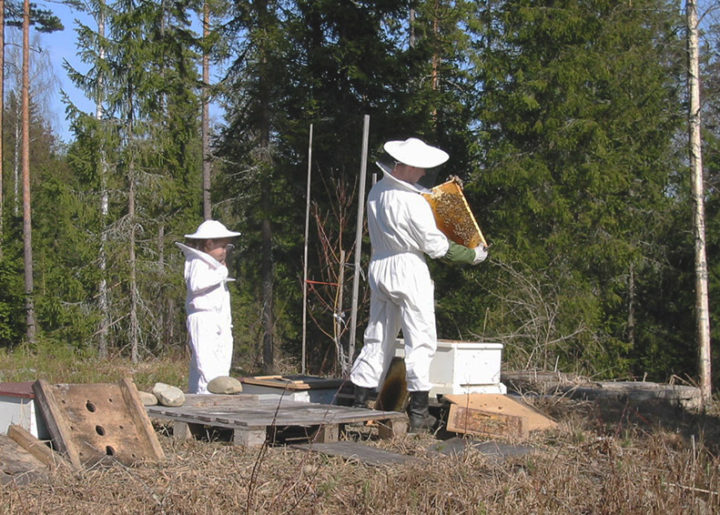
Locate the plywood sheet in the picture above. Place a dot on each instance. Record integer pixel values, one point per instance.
(93, 422)
(293, 382)
(503, 404)
(357, 452)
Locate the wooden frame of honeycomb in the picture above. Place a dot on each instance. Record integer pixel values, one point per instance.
(453, 216)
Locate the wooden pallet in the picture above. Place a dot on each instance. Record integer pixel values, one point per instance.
(254, 418)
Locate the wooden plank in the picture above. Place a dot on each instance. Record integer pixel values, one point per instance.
(218, 400)
(293, 382)
(38, 449)
(17, 465)
(287, 413)
(139, 417)
(327, 433)
(357, 452)
(56, 423)
(474, 421)
(392, 428)
(249, 437)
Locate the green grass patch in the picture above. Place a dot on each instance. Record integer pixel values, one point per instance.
(67, 365)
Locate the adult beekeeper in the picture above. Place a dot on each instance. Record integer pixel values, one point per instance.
(402, 230)
(207, 304)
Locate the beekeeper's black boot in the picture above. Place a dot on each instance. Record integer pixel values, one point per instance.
(420, 419)
(361, 396)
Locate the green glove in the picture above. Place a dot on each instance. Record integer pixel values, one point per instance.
(459, 254)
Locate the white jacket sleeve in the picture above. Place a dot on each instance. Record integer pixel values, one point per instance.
(202, 277)
(431, 240)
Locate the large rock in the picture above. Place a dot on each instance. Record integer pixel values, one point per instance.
(168, 395)
(224, 385)
(147, 398)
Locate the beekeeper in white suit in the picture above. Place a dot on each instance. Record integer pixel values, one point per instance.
(402, 230)
(209, 321)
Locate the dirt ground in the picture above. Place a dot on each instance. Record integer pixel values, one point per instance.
(612, 457)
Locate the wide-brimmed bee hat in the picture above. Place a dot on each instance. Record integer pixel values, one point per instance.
(415, 152)
(212, 230)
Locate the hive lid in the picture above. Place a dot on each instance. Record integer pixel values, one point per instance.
(453, 216)
(22, 389)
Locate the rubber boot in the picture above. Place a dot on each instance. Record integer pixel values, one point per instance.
(361, 396)
(420, 419)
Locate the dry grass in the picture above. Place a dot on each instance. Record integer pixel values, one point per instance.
(602, 459)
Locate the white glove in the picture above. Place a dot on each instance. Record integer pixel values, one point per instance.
(481, 254)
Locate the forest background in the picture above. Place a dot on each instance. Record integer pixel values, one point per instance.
(567, 121)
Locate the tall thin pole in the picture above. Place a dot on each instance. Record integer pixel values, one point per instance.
(207, 206)
(305, 250)
(358, 236)
(702, 309)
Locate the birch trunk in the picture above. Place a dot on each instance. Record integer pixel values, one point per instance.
(104, 209)
(207, 206)
(701, 270)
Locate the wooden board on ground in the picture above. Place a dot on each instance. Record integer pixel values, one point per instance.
(250, 417)
(503, 404)
(38, 449)
(493, 451)
(17, 465)
(479, 422)
(93, 422)
(357, 452)
(293, 382)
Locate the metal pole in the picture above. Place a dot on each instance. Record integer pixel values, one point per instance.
(358, 235)
(305, 250)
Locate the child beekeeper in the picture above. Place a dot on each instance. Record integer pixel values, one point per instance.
(209, 321)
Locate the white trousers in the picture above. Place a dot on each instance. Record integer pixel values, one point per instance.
(410, 307)
(211, 346)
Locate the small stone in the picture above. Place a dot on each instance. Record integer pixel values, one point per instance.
(168, 395)
(224, 385)
(147, 398)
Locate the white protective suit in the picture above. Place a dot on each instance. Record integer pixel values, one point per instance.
(209, 322)
(402, 229)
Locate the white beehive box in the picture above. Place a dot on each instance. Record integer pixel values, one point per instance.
(17, 406)
(463, 367)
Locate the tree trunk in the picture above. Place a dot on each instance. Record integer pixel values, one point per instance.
(631, 307)
(701, 271)
(267, 286)
(104, 209)
(27, 218)
(17, 159)
(2, 110)
(207, 206)
(134, 354)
